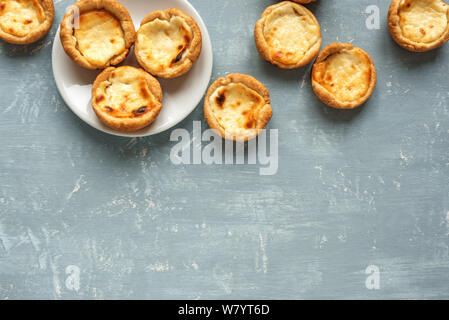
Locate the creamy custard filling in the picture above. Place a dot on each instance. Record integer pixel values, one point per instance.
(125, 94)
(236, 107)
(423, 21)
(290, 34)
(163, 43)
(346, 74)
(99, 37)
(20, 17)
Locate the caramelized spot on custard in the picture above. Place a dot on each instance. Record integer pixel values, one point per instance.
(221, 98)
(140, 111)
(112, 40)
(108, 108)
(28, 21)
(99, 98)
(179, 56)
(249, 124)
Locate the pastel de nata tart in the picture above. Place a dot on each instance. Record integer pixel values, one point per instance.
(126, 99)
(238, 107)
(419, 25)
(97, 34)
(25, 21)
(303, 1)
(168, 43)
(343, 76)
(288, 35)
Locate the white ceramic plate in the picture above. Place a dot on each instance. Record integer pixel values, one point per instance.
(181, 95)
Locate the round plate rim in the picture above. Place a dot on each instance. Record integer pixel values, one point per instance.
(206, 39)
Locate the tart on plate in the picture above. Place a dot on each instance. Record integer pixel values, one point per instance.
(238, 107)
(343, 76)
(288, 35)
(126, 99)
(168, 43)
(97, 34)
(419, 25)
(25, 21)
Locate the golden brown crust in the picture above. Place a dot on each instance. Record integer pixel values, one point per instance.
(263, 117)
(38, 33)
(263, 46)
(303, 1)
(192, 52)
(326, 96)
(131, 123)
(396, 31)
(83, 6)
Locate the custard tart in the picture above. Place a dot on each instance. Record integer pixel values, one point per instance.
(25, 21)
(288, 35)
(238, 107)
(97, 34)
(126, 99)
(168, 43)
(343, 76)
(419, 25)
(303, 1)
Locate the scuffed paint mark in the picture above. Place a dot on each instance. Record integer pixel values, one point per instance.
(144, 152)
(397, 184)
(224, 280)
(405, 159)
(342, 237)
(159, 267)
(41, 46)
(2, 248)
(192, 265)
(131, 144)
(81, 180)
(447, 223)
(320, 168)
(34, 240)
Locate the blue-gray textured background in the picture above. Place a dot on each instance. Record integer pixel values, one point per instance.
(354, 188)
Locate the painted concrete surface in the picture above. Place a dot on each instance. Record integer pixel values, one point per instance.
(85, 215)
